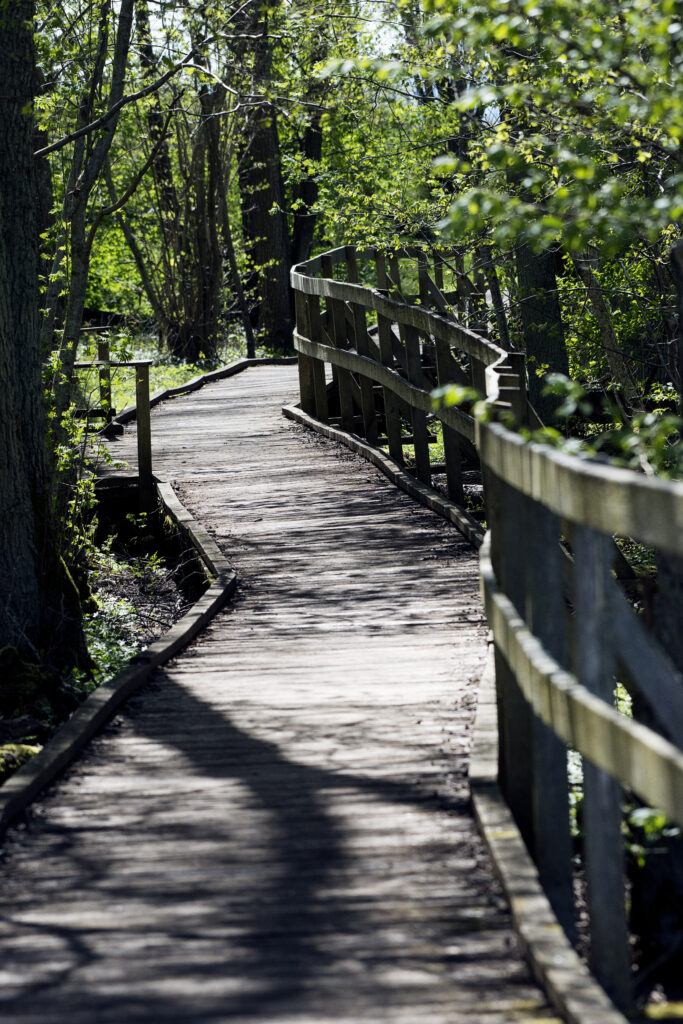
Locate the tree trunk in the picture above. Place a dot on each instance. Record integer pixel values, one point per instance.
(541, 323)
(619, 368)
(39, 606)
(265, 226)
(264, 217)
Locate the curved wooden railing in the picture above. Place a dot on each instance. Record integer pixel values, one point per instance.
(372, 335)
(564, 630)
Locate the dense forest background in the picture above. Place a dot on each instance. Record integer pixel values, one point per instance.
(163, 165)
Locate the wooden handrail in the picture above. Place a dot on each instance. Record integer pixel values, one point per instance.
(563, 629)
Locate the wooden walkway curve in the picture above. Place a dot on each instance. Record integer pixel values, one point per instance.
(277, 827)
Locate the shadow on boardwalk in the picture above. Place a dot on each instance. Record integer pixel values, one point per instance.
(291, 924)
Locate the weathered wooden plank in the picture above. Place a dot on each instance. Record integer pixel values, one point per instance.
(604, 857)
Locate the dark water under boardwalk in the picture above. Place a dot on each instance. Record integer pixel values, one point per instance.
(277, 828)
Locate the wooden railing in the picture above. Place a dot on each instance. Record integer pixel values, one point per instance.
(388, 354)
(564, 631)
(104, 366)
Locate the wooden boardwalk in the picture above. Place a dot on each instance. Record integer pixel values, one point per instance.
(277, 828)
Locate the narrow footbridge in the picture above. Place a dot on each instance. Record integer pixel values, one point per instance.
(278, 825)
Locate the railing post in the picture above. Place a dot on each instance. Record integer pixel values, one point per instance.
(425, 300)
(104, 373)
(603, 844)
(145, 477)
(392, 415)
(317, 365)
(410, 339)
(360, 331)
(506, 517)
(546, 618)
(517, 362)
(451, 445)
(306, 385)
(336, 321)
(478, 375)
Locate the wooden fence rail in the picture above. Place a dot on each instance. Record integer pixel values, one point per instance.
(564, 631)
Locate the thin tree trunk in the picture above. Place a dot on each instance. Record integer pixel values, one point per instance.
(264, 217)
(541, 323)
(486, 257)
(616, 361)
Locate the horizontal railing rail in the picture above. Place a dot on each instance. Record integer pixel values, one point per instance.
(564, 629)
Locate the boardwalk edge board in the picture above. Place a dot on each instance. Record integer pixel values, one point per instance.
(555, 964)
(439, 503)
(19, 790)
(130, 412)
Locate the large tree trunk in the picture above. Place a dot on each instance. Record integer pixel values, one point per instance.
(264, 217)
(305, 193)
(39, 608)
(265, 226)
(541, 324)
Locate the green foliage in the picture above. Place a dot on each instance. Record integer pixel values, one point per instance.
(649, 441)
(647, 829)
(582, 104)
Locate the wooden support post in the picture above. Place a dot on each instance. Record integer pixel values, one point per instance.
(546, 615)
(451, 443)
(428, 350)
(603, 844)
(419, 419)
(318, 366)
(395, 275)
(506, 512)
(360, 331)
(517, 363)
(305, 363)
(438, 271)
(478, 375)
(392, 413)
(104, 373)
(337, 328)
(145, 477)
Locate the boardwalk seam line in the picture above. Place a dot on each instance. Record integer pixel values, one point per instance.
(555, 963)
(62, 748)
(471, 530)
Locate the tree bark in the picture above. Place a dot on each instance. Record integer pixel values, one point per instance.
(39, 606)
(619, 368)
(264, 217)
(541, 324)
